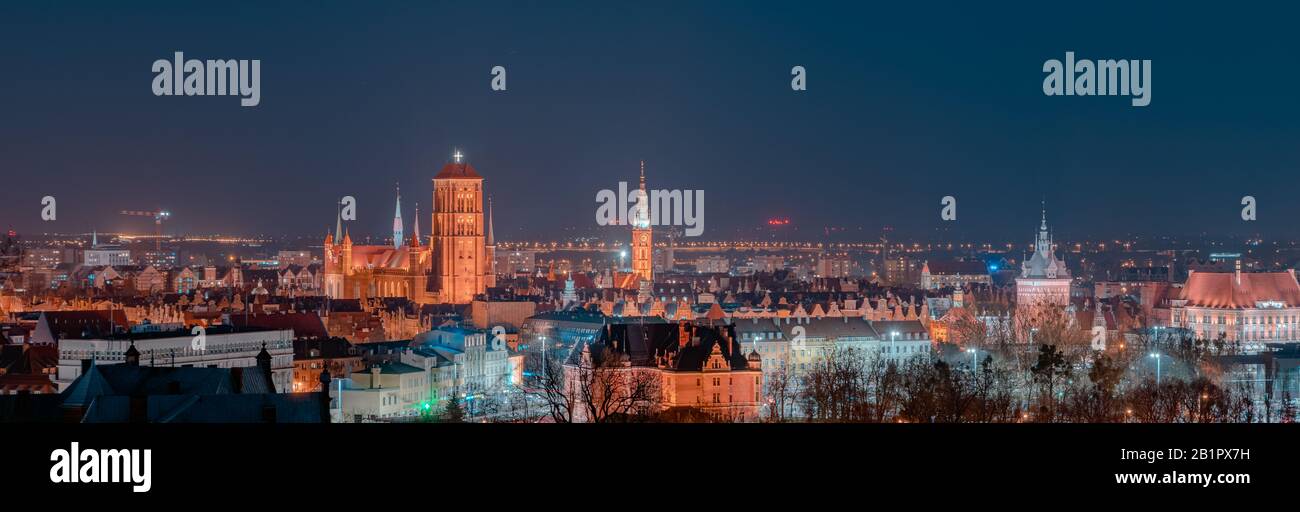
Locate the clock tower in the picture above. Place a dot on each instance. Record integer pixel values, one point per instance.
(642, 240)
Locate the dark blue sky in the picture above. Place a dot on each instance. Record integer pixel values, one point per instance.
(905, 105)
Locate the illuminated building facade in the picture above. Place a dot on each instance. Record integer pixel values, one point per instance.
(462, 262)
(364, 271)
(1249, 308)
(1044, 279)
(453, 267)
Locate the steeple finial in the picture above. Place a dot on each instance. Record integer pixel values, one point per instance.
(457, 155)
(1044, 227)
(643, 175)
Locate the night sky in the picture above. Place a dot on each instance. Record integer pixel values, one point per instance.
(904, 105)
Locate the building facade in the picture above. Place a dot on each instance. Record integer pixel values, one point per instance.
(1250, 309)
(462, 262)
(220, 348)
(1044, 279)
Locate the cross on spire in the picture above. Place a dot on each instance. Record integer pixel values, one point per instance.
(457, 155)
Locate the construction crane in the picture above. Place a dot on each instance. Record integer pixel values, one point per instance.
(159, 216)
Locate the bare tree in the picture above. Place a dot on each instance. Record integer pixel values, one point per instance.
(779, 387)
(551, 386)
(609, 389)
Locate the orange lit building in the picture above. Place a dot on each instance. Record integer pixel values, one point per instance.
(455, 265)
(1249, 308)
(462, 260)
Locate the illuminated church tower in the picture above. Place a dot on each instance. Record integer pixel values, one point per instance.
(460, 261)
(642, 249)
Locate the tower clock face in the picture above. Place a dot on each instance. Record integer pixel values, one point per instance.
(645, 238)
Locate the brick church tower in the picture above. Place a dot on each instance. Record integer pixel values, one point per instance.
(461, 266)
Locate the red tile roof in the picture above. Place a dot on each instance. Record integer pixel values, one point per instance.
(455, 170)
(1221, 289)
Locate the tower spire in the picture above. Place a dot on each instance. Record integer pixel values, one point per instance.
(415, 237)
(338, 222)
(1044, 226)
(397, 220)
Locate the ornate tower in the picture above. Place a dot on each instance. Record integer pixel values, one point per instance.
(333, 279)
(397, 221)
(642, 248)
(460, 256)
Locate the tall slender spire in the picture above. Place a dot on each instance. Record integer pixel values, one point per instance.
(415, 236)
(1044, 226)
(338, 223)
(643, 176)
(397, 220)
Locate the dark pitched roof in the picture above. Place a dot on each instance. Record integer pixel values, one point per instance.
(326, 348)
(78, 324)
(253, 408)
(120, 392)
(642, 343)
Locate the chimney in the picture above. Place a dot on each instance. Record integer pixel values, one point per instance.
(374, 377)
(325, 394)
(264, 364)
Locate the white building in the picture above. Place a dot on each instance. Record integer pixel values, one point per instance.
(106, 255)
(712, 265)
(1044, 279)
(221, 348)
(385, 391)
(467, 362)
(797, 343)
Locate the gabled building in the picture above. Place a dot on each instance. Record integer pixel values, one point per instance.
(689, 366)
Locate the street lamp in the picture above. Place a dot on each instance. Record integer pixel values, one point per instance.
(1157, 358)
(974, 358)
(543, 368)
(893, 335)
(621, 256)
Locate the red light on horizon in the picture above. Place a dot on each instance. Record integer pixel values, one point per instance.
(778, 221)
